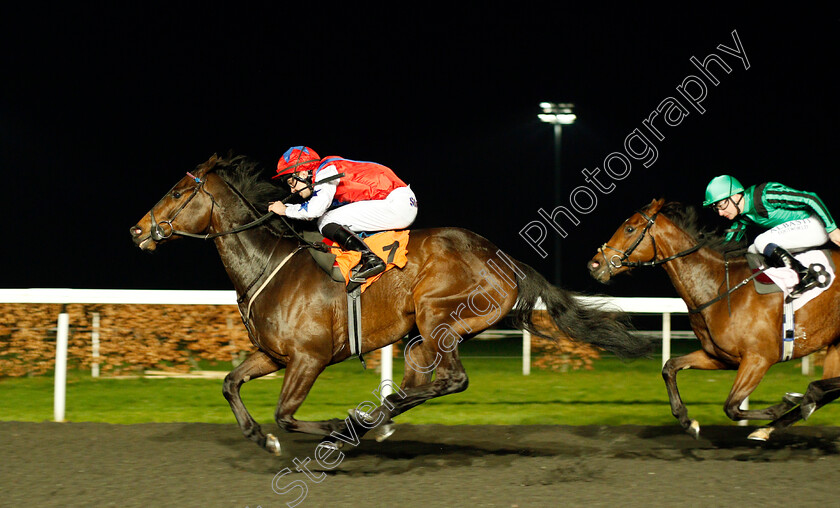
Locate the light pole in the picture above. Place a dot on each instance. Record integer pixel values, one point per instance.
(558, 114)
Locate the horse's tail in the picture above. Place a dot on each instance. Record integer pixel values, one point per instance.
(580, 322)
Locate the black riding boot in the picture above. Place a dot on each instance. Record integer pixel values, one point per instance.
(371, 264)
(809, 277)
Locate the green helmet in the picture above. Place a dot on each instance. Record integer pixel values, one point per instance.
(722, 187)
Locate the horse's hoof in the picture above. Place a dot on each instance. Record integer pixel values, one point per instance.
(361, 416)
(762, 434)
(694, 429)
(272, 444)
(364, 418)
(383, 432)
(332, 445)
(807, 410)
(793, 398)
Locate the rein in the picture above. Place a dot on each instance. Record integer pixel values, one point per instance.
(728, 292)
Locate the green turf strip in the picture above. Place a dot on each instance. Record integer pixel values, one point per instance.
(613, 393)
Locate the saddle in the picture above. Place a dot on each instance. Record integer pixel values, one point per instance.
(340, 265)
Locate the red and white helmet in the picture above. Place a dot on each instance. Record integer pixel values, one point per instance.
(295, 160)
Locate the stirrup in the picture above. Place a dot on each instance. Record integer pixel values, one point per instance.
(377, 267)
(821, 275)
(816, 276)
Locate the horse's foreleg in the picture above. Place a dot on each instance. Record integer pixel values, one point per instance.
(696, 360)
(257, 365)
(750, 373)
(301, 374)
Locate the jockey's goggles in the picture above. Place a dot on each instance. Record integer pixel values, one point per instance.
(299, 178)
(723, 203)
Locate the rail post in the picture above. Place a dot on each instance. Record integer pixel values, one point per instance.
(62, 332)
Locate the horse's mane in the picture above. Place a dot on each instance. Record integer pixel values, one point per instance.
(687, 218)
(248, 178)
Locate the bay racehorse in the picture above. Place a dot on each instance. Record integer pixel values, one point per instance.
(747, 339)
(455, 285)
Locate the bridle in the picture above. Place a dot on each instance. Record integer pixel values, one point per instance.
(621, 259)
(157, 232)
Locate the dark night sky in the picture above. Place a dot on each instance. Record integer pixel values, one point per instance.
(103, 109)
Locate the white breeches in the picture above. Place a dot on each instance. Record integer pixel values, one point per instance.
(793, 235)
(397, 211)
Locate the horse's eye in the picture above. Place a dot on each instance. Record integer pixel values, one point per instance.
(629, 229)
(176, 194)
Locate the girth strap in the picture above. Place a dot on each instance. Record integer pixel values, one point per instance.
(354, 323)
(788, 326)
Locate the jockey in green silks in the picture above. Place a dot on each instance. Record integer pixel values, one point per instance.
(797, 220)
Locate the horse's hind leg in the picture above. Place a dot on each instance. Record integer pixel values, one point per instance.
(450, 377)
(818, 394)
(825, 390)
(257, 365)
(696, 360)
(417, 357)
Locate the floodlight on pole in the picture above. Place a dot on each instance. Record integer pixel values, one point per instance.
(557, 114)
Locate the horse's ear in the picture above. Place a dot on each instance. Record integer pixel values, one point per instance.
(655, 205)
(203, 168)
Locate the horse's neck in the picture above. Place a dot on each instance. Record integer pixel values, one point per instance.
(697, 276)
(245, 254)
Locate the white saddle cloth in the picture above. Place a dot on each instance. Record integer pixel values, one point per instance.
(787, 278)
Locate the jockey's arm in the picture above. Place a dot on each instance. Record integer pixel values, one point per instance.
(786, 198)
(322, 197)
(736, 231)
(834, 236)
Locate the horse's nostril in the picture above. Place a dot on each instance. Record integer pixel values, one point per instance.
(136, 231)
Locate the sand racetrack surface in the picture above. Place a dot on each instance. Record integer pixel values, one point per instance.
(210, 465)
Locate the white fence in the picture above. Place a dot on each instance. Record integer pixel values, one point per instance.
(663, 306)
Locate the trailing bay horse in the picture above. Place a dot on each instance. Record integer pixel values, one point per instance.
(750, 338)
(455, 285)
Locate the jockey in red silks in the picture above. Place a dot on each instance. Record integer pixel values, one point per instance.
(369, 197)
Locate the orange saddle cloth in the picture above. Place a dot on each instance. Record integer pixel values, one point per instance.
(391, 246)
